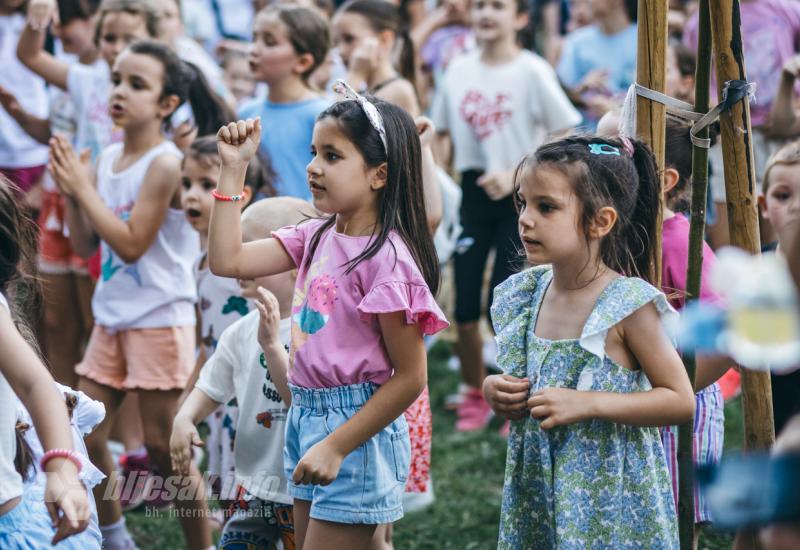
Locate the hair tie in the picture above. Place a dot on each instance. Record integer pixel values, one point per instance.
(627, 145)
(375, 119)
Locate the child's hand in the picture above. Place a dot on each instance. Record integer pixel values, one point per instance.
(41, 13)
(270, 318)
(792, 66)
(67, 502)
(319, 466)
(497, 185)
(507, 395)
(560, 406)
(364, 59)
(426, 131)
(184, 435)
(70, 171)
(238, 142)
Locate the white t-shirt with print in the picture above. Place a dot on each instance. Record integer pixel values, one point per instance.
(238, 369)
(496, 114)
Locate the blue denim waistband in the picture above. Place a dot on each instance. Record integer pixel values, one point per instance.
(337, 397)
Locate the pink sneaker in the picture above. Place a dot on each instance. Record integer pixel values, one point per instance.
(134, 476)
(474, 412)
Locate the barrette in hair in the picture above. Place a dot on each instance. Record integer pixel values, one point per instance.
(627, 145)
(375, 119)
(603, 149)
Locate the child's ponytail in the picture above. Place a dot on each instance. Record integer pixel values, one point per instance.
(643, 224)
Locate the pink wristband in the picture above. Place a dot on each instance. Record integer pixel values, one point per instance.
(60, 453)
(226, 198)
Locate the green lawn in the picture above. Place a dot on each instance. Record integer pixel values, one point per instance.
(468, 482)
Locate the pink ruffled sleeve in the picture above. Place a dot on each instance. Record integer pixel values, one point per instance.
(293, 238)
(415, 300)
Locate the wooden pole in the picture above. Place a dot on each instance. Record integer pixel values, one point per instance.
(693, 277)
(651, 72)
(741, 198)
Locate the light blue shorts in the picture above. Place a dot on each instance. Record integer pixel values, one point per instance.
(372, 478)
(27, 527)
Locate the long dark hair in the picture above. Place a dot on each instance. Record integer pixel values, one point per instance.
(19, 281)
(209, 109)
(260, 175)
(401, 203)
(603, 173)
(177, 74)
(385, 16)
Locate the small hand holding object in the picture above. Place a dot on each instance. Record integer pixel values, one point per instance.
(184, 436)
(498, 185)
(67, 502)
(507, 395)
(364, 60)
(70, 171)
(426, 131)
(41, 13)
(560, 406)
(270, 317)
(319, 466)
(238, 142)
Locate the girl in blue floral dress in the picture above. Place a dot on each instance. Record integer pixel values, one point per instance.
(589, 372)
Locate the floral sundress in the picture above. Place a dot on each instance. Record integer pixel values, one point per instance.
(593, 484)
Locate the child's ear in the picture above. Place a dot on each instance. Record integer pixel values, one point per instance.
(603, 222)
(386, 39)
(671, 179)
(521, 20)
(168, 105)
(378, 180)
(303, 63)
(762, 206)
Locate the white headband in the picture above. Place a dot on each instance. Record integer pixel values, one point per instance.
(375, 119)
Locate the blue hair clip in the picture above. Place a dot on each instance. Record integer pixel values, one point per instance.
(603, 149)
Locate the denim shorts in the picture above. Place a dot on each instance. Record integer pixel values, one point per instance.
(27, 527)
(370, 484)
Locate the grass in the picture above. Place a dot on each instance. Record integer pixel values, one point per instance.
(467, 474)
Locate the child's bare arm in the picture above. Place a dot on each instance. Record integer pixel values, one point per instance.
(227, 256)
(430, 179)
(275, 354)
(129, 238)
(670, 401)
(37, 128)
(406, 351)
(30, 380)
(710, 369)
(783, 118)
(30, 48)
(195, 408)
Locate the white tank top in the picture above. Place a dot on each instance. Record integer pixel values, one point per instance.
(10, 480)
(158, 290)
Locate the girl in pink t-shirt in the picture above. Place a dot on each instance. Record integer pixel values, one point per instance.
(366, 276)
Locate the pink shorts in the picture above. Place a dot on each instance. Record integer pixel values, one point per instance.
(24, 178)
(55, 251)
(143, 359)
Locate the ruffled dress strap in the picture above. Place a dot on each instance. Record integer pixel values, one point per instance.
(414, 299)
(620, 299)
(511, 317)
